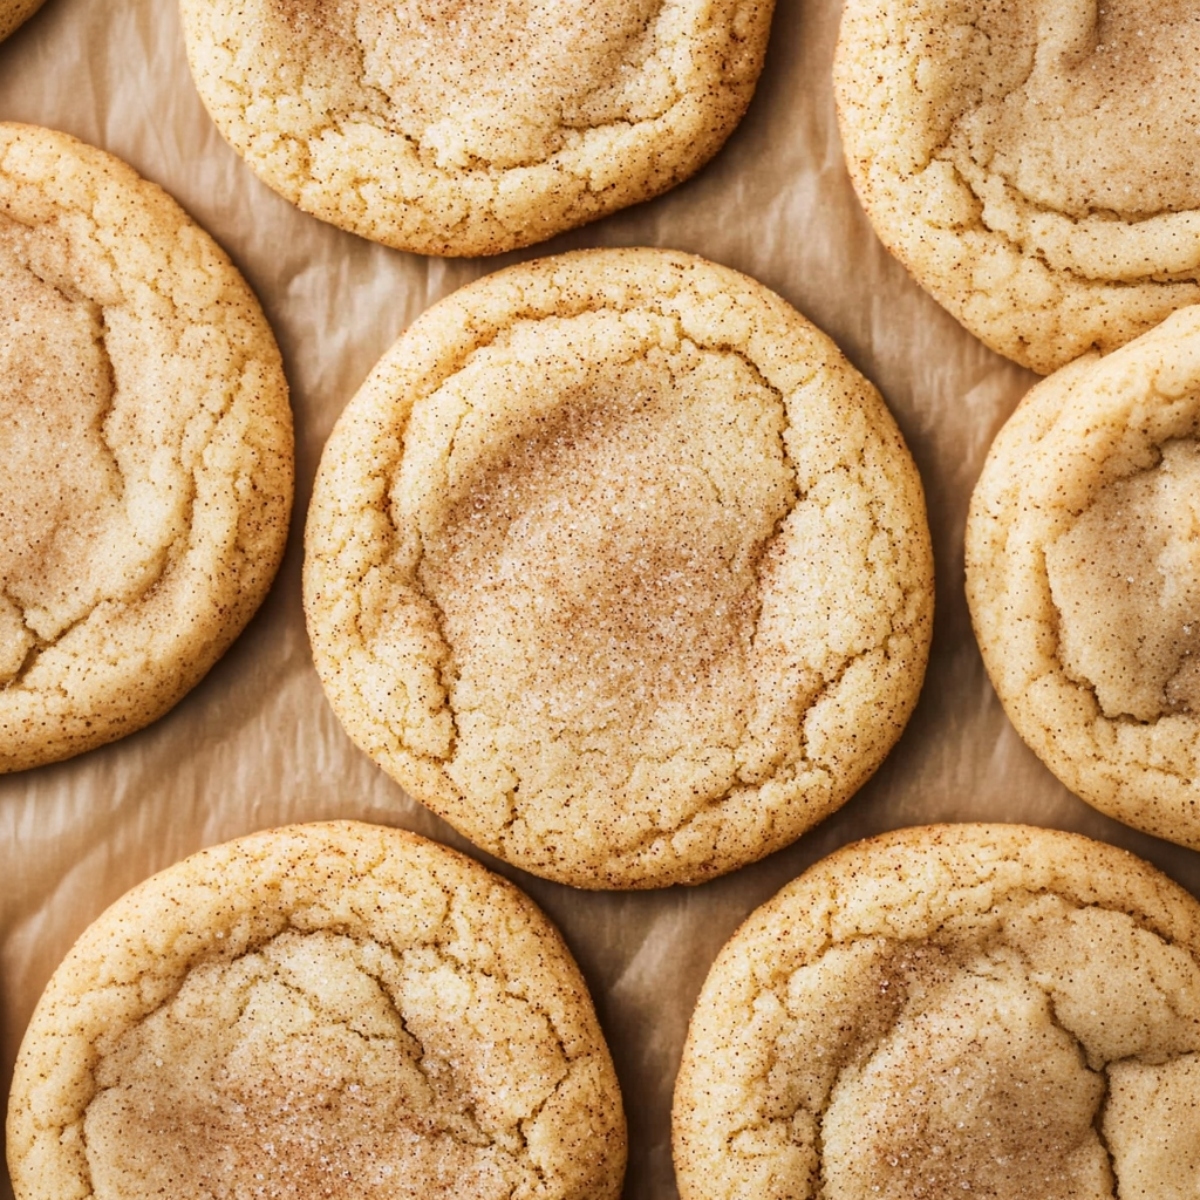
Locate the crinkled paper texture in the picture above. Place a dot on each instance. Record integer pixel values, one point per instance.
(255, 745)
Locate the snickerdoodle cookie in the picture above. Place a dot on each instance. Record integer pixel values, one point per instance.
(1033, 163)
(456, 128)
(315, 1011)
(16, 12)
(1083, 576)
(617, 564)
(145, 449)
(951, 1011)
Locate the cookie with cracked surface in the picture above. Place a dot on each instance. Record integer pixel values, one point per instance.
(618, 565)
(145, 450)
(318, 1010)
(16, 12)
(454, 128)
(1031, 164)
(948, 1011)
(1083, 577)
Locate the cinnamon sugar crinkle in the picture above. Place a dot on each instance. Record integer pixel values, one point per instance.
(459, 128)
(145, 449)
(951, 1011)
(617, 564)
(320, 1010)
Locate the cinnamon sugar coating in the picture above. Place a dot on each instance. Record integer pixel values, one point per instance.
(321, 1010)
(947, 1011)
(145, 450)
(619, 566)
(453, 128)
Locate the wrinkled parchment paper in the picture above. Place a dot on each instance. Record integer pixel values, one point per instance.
(256, 745)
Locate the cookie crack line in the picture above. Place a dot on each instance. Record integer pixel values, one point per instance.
(1101, 719)
(422, 1065)
(943, 152)
(1027, 249)
(279, 977)
(39, 647)
(774, 1058)
(337, 120)
(16, 679)
(440, 944)
(833, 913)
(1097, 1122)
(102, 416)
(40, 644)
(559, 159)
(170, 554)
(801, 763)
(1098, 1129)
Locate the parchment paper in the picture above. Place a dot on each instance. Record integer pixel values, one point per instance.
(256, 745)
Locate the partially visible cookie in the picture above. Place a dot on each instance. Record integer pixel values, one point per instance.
(1033, 165)
(617, 564)
(951, 1011)
(16, 12)
(462, 129)
(145, 449)
(318, 1010)
(1083, 577)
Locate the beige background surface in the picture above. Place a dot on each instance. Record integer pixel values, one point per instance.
(256, 745)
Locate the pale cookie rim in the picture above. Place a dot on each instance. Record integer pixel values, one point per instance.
(1070, 415)
(929, 873)
(54, 1066)
(559, 193)
(805, 363)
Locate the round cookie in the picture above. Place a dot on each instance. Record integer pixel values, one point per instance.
(619, 566)
(318, 1010)
(145, 450)
(1083, 577)
(16, 12)
(462, 129)
(958, 1010)
(1031, 164)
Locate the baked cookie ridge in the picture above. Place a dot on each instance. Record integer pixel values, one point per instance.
(146, 454)
(318, 1007)
(950, 1009)
(556, 568)
(459, 129)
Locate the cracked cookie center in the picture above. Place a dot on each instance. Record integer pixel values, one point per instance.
(62, 489)
(598, 578)
(292, 1073)
(497, 84)
(976, 1091)
(1084, 82)
(1125, 579)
